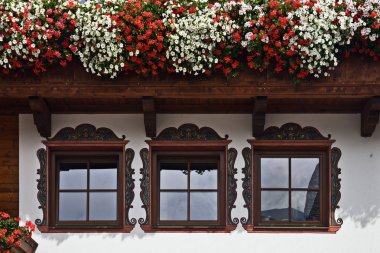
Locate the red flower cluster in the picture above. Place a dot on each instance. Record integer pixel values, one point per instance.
(143, 31)
(361, 43)
(270, 39)
(33, 39)
(229, 54)
(11, 233)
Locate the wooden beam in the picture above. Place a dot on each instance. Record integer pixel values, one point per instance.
(149, 110)
(370, 117)
(260, 105)
(41, 115)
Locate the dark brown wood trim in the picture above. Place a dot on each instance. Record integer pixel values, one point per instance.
(370, 117)
(258, 115)
(41, 115)
(149, 110)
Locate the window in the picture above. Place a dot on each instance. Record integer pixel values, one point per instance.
(292, 178)
(85, 182)
(193, 186)
(290, 188)
(88, 190)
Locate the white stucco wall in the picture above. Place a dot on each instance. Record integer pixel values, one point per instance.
(360, 203)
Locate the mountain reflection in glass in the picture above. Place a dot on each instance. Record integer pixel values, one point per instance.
(274, 205)
(290, 179)
(305, 206)
(305, 173)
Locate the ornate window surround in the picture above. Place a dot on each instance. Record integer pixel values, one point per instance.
(86, 138)
(187, 138)
(293, 137)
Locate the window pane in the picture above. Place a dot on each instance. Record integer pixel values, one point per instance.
(173, 206)
(73, 176)
(173, 176)
(103, 176)
(72, 206)
(305, 173)
(203, 176)
(103, 205)
(274, 205)
(274, 172)
(203, 206)
(305, 206)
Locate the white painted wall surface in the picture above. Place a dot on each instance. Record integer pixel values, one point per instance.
(360, 203)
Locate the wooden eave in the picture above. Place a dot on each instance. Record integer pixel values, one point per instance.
(351, 88)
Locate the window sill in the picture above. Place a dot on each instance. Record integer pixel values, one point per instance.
(262, 229)
(46, 229)
(195, 229)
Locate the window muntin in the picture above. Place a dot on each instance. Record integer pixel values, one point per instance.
(189, 190)
(289, 188)
(88, 189)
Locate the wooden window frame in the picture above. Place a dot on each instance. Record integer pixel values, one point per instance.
(87, 148)
(192, 147)
(291, 148)
(89, 157)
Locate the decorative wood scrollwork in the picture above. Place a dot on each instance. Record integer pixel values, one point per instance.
(129, 184)
(335, 187)
(189, 132)
(145, 185)
(292, 131)
(42, 186)
(231, 185)
(86, 132)
(247, 196)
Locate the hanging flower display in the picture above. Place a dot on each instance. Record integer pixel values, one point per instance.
(196, 34)
(367, 36)
(115, 35)
(35, 34)
(300, 37)
(267, 35)
(321, 28)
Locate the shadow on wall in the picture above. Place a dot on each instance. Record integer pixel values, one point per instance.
(360, 185)
(59, 238)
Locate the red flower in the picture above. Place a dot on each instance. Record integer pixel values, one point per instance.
(237, 37)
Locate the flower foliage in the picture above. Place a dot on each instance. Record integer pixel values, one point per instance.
(35, 34)
(11, 232)
(367, 36)
(196, 34)
(303, 38)
(117, 35)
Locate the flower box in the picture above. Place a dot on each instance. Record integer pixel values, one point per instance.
(28, 245)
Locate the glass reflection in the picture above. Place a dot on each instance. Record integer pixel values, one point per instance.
(203, 206)
(203, 176)
(305, 173)
(274, 172)
(173, 176)
(274, 205)
(72, 206)
(73, 176)
(173, 206)
(103, 205)
(305, 206)
(103, 176)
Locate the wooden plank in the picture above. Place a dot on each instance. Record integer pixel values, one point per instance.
(370, 117)
(347, 81)
(8, 196)
(41, 115)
